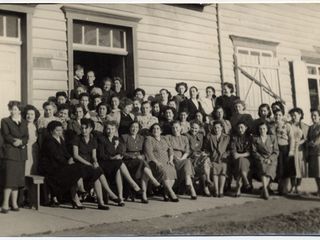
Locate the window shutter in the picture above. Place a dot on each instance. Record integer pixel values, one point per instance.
(301, 89)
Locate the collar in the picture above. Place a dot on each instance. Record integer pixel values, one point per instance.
(17, 120)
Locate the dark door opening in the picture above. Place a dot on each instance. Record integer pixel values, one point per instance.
(103, 65)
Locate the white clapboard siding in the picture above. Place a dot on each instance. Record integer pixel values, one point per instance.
(50, 75)
(53, 85)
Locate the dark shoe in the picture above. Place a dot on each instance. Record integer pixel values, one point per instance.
(216, 195)
(206, 194)
(121, 204)
(221, 195)
(83, 195)
(15, 209)
(194, 197)
(165, 198)
(75, 206)
(208, 183)
(101, 207)
(159, 188)
(145, 201)
(5, 211)
(174, 199)
(237, 195)
(116, 200)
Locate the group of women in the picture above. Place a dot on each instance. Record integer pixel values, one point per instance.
(123, 146)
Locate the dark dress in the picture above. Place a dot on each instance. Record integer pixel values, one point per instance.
(106, 96)
(121, 95)
(166, 127)
(262, 151)
(106, 150)
(244, 117)
(188, 103)
(227, 104)
(130, 148)
(241, 144)
(14, 158)
(85, 151)
(59, 175)
(124, 123)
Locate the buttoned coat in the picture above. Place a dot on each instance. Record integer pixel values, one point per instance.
(218, 150)
(267, 150)
(11, 131)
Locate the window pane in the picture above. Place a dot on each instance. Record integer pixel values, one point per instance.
(313, 91)
(118, 41)
(104, 37)
(77, 33)
(266, 55)
(319, 71)
(90, 35)
(1, 25)
(243, 52)
(12, 26)
(255, 53)
(312, 70)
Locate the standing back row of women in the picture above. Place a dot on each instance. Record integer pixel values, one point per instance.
(141, 141)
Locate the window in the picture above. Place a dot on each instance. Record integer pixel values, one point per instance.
(313, 72)
(10, 25)
(257, 72)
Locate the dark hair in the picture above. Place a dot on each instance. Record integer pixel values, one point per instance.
(238, 101)
(30, 108)
(155, 102)
(77, 67)
(96, 96)
(196, 121)
(195, 89)
(118, 79)
(133, 122)
(137, 99)
(102, 104)
(111, 123)
(155, 124)
(181, 110)
(216, 122)
(315, 110)
(88, 122)
(107, 79)
(139, 90)
(297, 110)
(63, 107)
(146, 102)
(83, 87)
(265, 105)
(79, 105)
(230, 86)
(213, 90)
(215, 111)
(279, 104)
(183, 84)
(169, 93)
(61, 94)
(174, 111)
(173, 100)
(53, 125)
(202, 114)
(278, 110)
(176, 121)
(84, 94)
(260, 124)
(92, 72)
(49, 103)
(18, 104)
(125, 102)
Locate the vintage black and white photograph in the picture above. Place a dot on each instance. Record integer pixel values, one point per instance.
(159, 119)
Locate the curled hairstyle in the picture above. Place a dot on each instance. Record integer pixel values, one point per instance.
(195, 89)
(182, 84)
(139, 90)
(102, 104)
(239, 102)
(118, 79)
(133, 122)
(18, 104)
(155, 124)
(196, 121)
(185, 110)
(169, 93)
(88, 122)
(315, 110)
(61, 94)
(49, 103)
(53, 125)
(297, 110)
(230, 86)
(30, 108)
(213, 90)
(174, 111)
(278, 110)
(84, 94)
(260, 124)
(79, 105)
(64, 106)
(265, 105)
(279, 104)
(110, 123)
(217, 122)
(217, 107)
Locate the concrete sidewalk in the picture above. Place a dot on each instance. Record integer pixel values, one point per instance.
(47, 219)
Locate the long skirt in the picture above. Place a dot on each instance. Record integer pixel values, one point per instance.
(61, 180)
(183, 168)
(14, 173)
(314, 166)
(166, 172)
(269, 170)
(110, 169)
(136, 167)
(219, 168)
(241, 164)
(91, 175)
(285, 167)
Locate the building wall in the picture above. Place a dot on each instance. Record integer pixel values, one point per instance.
(174, 44)
(295, 26)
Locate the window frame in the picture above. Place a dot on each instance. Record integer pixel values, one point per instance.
(314, 76)
(102, 16)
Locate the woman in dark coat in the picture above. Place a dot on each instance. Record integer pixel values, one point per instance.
(192, 104)
(14, 131)
(240, 151)
(239, 115)
(227, 99)
(57, 165)
(265, 151)
(131, 148)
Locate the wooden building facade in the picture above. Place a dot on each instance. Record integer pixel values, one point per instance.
(270, 51)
